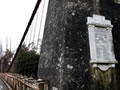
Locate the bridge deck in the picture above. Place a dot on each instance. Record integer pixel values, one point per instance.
(3, 86)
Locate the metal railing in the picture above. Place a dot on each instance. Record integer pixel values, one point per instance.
(19, 82)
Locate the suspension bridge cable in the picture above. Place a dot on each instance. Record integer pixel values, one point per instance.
(26, 39)
(28, 36)
(41, 22)
(35, 24)
(30, 64)
(28, 68)
(25, 33)
(31, 29)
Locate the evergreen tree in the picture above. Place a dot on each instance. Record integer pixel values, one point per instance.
(27, 62)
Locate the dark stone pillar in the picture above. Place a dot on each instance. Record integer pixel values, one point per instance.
(64, 59)
(111, 11)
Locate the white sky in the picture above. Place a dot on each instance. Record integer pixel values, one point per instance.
(14, 16)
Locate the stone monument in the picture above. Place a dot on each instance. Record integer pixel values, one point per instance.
(101, 42)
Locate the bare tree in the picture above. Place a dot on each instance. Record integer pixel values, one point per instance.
(1, 53)
(5, 57)
(6, 60)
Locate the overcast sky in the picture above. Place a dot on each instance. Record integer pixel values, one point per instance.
(14, 16)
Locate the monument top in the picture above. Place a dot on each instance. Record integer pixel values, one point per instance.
(98, 20)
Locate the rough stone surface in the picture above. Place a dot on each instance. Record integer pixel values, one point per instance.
(64, 59)
(111, 11)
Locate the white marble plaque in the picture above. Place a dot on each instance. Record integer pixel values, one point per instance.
(100, 41)
(102, 45)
